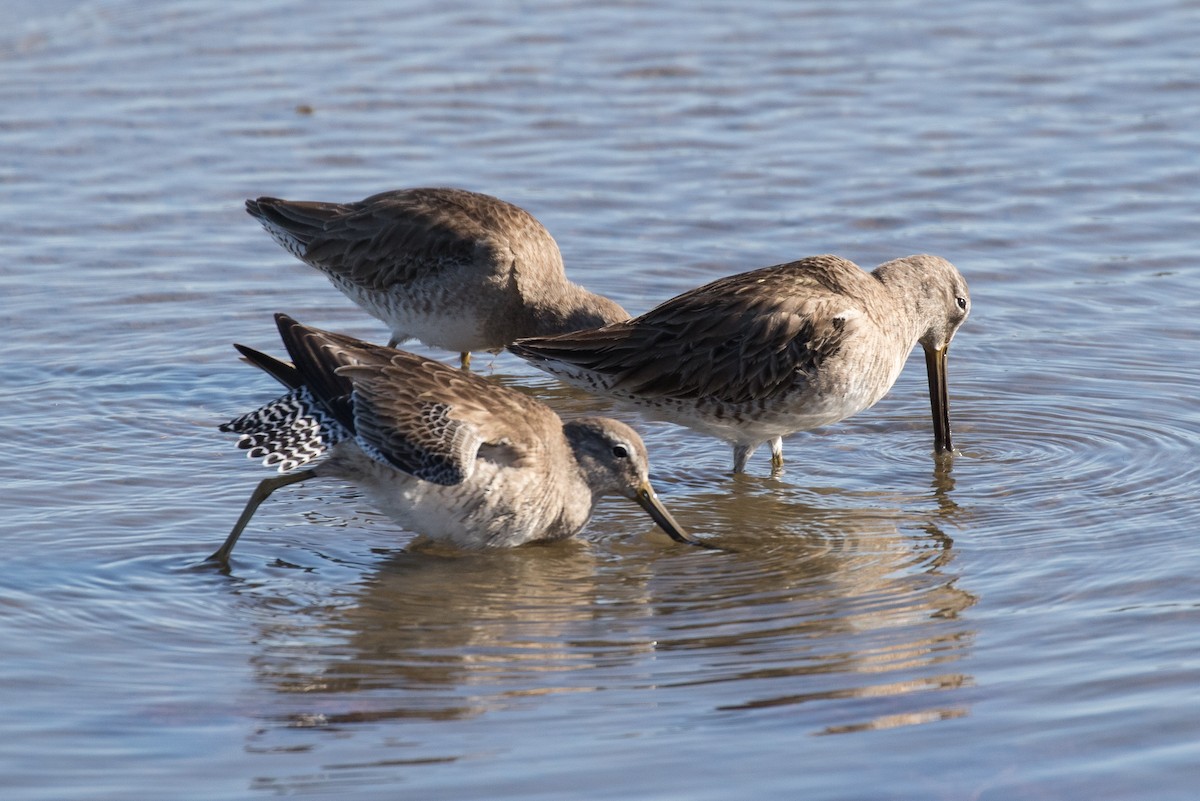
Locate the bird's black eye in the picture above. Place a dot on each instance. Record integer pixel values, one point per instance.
(962, 302)
(620, 451)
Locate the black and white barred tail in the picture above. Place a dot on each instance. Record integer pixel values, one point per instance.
(288, 432)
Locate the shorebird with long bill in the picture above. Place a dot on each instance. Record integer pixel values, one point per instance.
(753, 357)
(444, 452)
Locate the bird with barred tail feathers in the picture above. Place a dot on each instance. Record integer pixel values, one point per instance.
(445, 453)
(455, 269)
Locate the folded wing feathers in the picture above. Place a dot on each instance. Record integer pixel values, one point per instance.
(698, 349)
(399, 427)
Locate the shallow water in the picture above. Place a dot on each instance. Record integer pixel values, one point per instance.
(1018, 623)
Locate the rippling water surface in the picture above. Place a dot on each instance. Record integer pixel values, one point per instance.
(1019, 622)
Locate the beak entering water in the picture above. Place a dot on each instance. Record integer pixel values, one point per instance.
(646, 499)
(939, 398)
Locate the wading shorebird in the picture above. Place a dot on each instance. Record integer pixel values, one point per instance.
(445, 453)
(454, 269)
(753, 357)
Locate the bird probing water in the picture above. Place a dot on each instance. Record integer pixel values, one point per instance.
(446, 453)
(753, 357)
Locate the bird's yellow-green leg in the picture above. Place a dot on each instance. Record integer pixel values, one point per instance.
(777, 454)
(260, 494)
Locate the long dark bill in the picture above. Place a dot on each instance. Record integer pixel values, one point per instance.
(939, 398)
(648, 500)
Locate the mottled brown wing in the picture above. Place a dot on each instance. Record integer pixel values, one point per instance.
(395, 237)
(737, 339)
(413, 413)
(430, 420)
(316, 356)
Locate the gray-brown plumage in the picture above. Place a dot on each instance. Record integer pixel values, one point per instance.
(455, 269)
(444, 452)
(753, 357)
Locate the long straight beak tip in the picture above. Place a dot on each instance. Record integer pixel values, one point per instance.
(939, 399)
(648, 500)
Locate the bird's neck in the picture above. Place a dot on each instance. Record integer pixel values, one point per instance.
(902, 281)
(569, 307)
